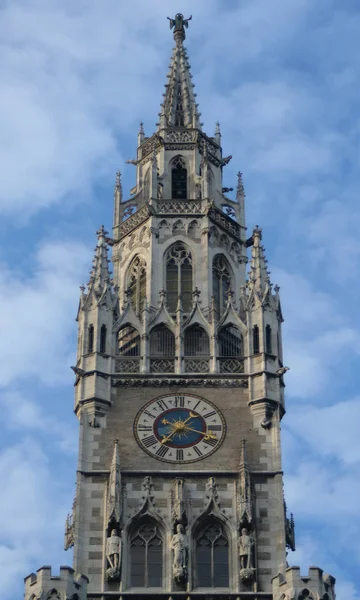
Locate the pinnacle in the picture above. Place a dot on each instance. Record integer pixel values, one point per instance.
(259, 274)
(100, 273)
(179, 105)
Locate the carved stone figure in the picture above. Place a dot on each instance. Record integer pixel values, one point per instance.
(179, 545)
(179, 23)
(246, 544)
(113, 555)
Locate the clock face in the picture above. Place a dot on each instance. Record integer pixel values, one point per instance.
(179, 429)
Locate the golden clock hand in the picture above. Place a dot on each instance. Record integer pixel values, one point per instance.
(167, 437)
(206, 434)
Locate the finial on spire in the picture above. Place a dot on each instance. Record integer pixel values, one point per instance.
(141, 134)
(240, 191)
(218, 133)
(178, 24)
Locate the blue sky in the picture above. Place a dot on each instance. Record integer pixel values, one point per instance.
(282, 79)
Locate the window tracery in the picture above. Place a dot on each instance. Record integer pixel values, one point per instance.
(212, 557)
(146, 556)
(178, 179)
(137, 283)
(179, 277)
(221, 282)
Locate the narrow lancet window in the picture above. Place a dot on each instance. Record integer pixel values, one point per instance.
(137, 283)
(103, 339)
(256, 340)
(221, 283)
(196, 342)
(179, 277)
(91, 339)
(178, 179)
(230, 342)
(162, 342)
(268, 341)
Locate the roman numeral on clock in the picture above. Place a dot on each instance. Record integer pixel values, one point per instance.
(149, 441)
(209, 414)
(179, 401)
(162, 451)
(144, 427)
(198, 451)
(179, 454)
(214, 427)
(162, 404)
(211, 442)
(146, 412)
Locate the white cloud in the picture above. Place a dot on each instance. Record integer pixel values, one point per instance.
(37, 314)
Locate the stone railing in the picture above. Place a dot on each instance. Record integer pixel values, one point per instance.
(196, 365)
(224, 222)
(136, 219)
(127, 364)
(231, 365)
(175, 207)
(162, 365)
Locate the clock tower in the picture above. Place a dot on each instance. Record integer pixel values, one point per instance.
(179, 386)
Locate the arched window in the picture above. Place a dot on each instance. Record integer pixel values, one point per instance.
(129, 341)
(137, 283)
(91, 339)
(179, 277)
(212, 557)
(230, 342)
(256, 340)
(146, 556)
(221, 282)
(162, 342)
(178, 179)
(103, 339)
(268, 341)
(196, 341)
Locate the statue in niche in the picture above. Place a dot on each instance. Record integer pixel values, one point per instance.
(246, 544)
(113, 555)
(179, 545)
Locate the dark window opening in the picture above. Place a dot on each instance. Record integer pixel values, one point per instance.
(268, 341)
(178, 179)
(179, 277)
(146, 557)
(212, 558)
(162, 342)
(221, 283)
(196, 342)
(103, 339)
(256, 340)
(230, 342)
(91, 339)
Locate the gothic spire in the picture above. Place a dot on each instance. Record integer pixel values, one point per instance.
(259, 275)
(179, 108)
(100, 273)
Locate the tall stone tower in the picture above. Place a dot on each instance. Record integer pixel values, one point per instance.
(179, 388)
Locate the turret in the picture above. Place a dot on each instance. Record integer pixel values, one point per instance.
(314, 586)
(44, 584)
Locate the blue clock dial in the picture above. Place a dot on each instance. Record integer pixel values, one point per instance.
(179, 428)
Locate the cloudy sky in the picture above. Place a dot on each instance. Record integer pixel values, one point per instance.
(282, 77)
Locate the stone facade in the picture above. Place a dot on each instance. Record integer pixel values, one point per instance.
(179, 324)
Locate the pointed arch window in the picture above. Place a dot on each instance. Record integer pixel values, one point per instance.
(268, 340)
(221, 282)
(196, 341)
(256, 340)
(179, 278)
(212, 557)
(91, 339)
(129, 341)
(230, 342)
(103, 339)
(146, 556)
(178, 179)
(137, 283)
(162, 342)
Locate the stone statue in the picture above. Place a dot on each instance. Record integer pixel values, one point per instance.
(246, 544)
(179, 545)
(113, 555)
(179, 23)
